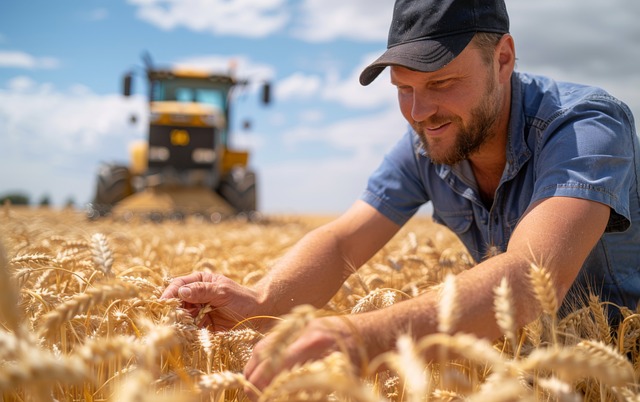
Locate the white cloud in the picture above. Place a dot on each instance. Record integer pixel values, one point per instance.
(17, 59)
(585, 41)
(240, 66)
(298, 85)
(350, 93)
(312, 116)
(247, 18)
(360, 20)
(64, 121)
(360, 134)
(21, 84)
(329, 184)
(585, 36)
(59, 137)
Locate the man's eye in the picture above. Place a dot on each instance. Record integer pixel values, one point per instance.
(440, 83)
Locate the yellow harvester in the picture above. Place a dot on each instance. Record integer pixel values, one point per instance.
(186, 165)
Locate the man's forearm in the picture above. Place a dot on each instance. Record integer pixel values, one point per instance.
(310, 273)
(315, 268)
(472, 307)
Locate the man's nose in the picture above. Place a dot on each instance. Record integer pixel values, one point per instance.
(424, 106)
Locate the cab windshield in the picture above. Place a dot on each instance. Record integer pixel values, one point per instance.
(190, 90)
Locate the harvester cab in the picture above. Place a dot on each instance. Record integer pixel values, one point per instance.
(186, 165)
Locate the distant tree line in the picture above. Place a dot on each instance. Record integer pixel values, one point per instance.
(18, 198)
(15, 199)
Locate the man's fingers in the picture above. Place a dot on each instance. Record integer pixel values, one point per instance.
(198, 292)
(260, 375)
(255, 359)
(171, 292)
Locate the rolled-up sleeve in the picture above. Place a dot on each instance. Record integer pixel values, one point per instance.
(395, 188)
(588, 152)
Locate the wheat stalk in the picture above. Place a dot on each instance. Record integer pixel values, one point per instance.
(411, 367)
(99, 350)
(8, 295)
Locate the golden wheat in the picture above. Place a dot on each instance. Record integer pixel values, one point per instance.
(81, 319)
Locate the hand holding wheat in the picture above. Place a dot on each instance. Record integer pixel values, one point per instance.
(216, 301)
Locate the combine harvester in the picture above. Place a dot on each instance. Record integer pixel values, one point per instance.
(186, 166)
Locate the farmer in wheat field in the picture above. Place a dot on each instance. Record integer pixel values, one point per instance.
(521, 167)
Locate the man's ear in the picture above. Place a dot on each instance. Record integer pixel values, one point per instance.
(506, 57)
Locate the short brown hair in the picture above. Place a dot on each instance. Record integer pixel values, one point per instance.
(486, 42)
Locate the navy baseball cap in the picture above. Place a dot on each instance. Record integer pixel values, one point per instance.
(426, 35)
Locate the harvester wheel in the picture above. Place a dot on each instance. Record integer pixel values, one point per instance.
(238, 188)
(113, 185)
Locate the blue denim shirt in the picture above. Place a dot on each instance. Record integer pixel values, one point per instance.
(564, 140)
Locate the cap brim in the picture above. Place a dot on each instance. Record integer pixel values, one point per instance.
(425, 55)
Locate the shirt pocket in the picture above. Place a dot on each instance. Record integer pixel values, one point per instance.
(458, 221)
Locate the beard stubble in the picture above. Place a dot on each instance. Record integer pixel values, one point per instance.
(470, 137)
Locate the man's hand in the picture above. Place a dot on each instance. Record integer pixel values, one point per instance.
(215, 300)
(320, 338)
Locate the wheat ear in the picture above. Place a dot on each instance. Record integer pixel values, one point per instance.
(220, 381)
(35, 258)
(546, 294)
(575, 363)
(544, 289)
(447, 307)
(601, 320)
(504, 312)
(206, 343)
(38, 367)
(285, 331)
(102, 254)
(374, 300)
(609, 357)
(81, 302)
(466, 345)
(322, 378)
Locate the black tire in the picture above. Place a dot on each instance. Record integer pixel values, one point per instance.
(238, 188)
(113, 185)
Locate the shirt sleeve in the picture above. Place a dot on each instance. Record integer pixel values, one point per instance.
(588, 152)
(395, 188)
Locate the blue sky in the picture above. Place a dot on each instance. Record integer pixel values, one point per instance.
(61, 64)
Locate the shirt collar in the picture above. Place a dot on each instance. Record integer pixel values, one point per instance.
(518, 152)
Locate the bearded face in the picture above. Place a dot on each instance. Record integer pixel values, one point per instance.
(469, 135)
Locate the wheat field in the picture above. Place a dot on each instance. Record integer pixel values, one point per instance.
(81, 320)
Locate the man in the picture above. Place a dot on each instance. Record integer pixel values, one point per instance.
(520, 167)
